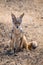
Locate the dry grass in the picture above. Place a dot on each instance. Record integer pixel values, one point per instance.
(32, 26)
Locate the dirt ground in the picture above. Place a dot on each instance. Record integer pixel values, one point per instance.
(32, 26)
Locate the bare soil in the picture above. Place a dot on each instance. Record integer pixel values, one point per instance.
(32, 26)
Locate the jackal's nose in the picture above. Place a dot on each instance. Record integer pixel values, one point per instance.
(17, 26)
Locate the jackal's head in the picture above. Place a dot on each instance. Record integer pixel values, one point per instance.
(17, 21)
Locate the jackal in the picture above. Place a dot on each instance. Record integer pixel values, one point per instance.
(18, 39)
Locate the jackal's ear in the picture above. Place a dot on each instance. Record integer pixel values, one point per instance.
(13, 18)
(19, 19)
(21, 16)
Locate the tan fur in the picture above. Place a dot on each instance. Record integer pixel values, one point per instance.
(25, 44)
(16, 35)
(21, 43)
(18, 39)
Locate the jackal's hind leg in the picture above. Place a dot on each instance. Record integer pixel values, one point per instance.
(25, 44)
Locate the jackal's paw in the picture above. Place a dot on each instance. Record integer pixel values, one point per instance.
(9, 52)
